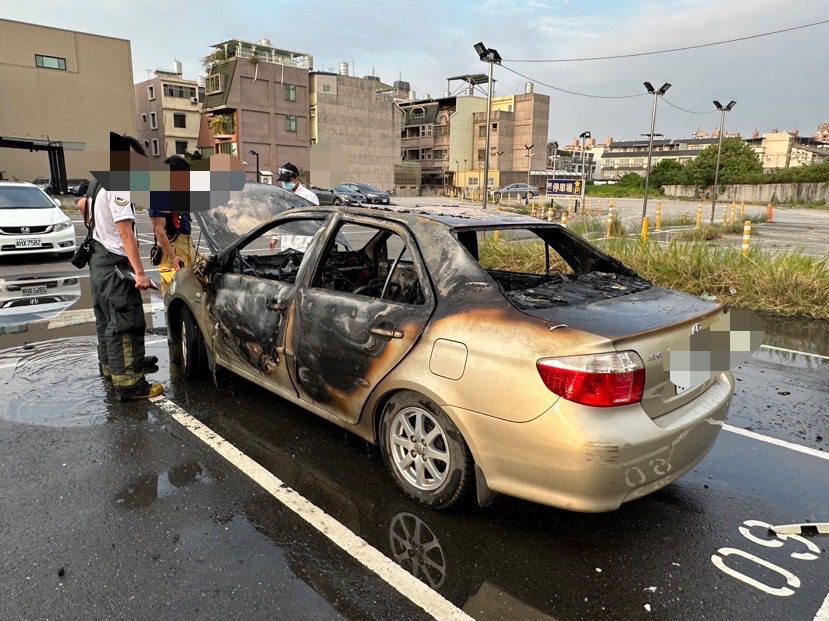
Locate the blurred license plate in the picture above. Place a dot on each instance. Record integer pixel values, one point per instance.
(27, 243)
(33, 291)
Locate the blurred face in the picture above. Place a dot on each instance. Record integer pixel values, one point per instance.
(290, 185)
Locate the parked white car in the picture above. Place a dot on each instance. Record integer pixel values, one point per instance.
(32, 222)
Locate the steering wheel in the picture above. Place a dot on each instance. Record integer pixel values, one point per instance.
(371, 286)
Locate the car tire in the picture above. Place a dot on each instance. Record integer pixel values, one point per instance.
(192, 348)
(338, 201)
(435, 472)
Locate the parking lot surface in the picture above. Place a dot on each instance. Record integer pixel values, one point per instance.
(125, 511)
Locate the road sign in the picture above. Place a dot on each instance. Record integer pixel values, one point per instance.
(563, 187)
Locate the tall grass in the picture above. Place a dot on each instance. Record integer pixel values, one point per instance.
(785, 284)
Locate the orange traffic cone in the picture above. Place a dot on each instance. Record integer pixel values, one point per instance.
(769, 213)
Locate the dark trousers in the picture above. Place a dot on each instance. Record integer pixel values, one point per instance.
(119, 318)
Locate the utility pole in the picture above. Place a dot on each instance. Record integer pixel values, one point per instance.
(656, 95)
(528, 147)
(258, 175)
(584, 136)
(714, 190)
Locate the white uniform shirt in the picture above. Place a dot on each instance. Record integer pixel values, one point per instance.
(111, 207)
(299, 242)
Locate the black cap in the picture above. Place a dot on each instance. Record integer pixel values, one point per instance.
(288, 172)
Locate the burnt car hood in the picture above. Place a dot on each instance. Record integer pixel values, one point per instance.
(627, 315)
(254, 206)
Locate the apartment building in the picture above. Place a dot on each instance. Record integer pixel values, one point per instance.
(257, 101)
(62, 93)
(168, 113)
(787, 150)
(631, 156)
(355, 134)
(447, 136)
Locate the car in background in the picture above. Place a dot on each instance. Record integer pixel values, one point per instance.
(338, 196)
(518, 190)
(28, 298)
(44, 183)
(372, 194)
(77, 187)
(391, 323)
(31, 222)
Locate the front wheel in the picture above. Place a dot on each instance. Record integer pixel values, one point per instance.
(338, 201)
(193, 353)
(424, 451)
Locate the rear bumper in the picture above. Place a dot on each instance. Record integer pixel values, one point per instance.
(592, 459)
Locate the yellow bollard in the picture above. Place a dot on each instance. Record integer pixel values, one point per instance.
(658, 216)
(550, 216)
(609, 223)
(699, 216)
(733, 212)
(497, 236)
(645, 224)
(746, 236)
(569, 205)
(742, 211)
(534, 212)
(564, 219)
(769, 213)
(725, 214)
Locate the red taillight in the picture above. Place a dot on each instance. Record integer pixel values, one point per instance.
(603, 380)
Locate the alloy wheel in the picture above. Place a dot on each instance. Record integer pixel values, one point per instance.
(419, 449)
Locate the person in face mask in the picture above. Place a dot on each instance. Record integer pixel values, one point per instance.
(289, 180)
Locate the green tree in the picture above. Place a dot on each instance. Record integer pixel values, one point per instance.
(632, 180)
(667, 172)
(738, 163)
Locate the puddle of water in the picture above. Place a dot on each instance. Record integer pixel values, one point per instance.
(807, 335)
(146, 489)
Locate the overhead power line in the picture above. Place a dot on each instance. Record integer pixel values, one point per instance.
(667, 51)
(673, 105)
(564, 90)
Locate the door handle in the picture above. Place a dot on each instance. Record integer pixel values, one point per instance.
(389, 333)
(273, 305)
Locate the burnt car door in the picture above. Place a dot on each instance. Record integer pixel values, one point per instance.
(360, 314)
(252, 297)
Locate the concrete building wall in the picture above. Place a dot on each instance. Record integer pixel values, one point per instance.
(92, 97)
(462, 138)
(354, 135)
(756, 192)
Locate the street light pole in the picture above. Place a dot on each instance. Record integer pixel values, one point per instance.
(656, 94)
(258, 175)
(528, 147)
(584, 135)
(723, 110)
(491, 56)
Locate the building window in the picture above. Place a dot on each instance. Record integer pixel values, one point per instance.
(179, 120)
(144, 116)
(151, 92)
(428, 130)
(418, 113)
(472, 181)
(153, 121)
(180, 91)
(181, 147)
(495, 127)
(155, 147)
(290, 123)
(214, 83)
(50, 62)
(290, 92)
(326, 88)
(481, 154)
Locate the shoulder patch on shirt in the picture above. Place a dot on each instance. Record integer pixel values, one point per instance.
(121, 202)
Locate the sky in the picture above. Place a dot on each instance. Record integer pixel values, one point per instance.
(781, 81)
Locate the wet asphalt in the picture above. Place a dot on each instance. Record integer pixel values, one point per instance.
(114, 511)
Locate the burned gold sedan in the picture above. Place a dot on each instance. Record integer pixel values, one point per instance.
(548, 380)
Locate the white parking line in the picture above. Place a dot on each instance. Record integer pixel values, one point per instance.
(371, 558)
(823, 613)
(794, 351)
(768, 439)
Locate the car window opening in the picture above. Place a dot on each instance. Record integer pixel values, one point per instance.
(543, 268)
(382, 266)
(277, 253)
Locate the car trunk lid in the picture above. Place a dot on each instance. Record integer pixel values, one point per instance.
(649, 321)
